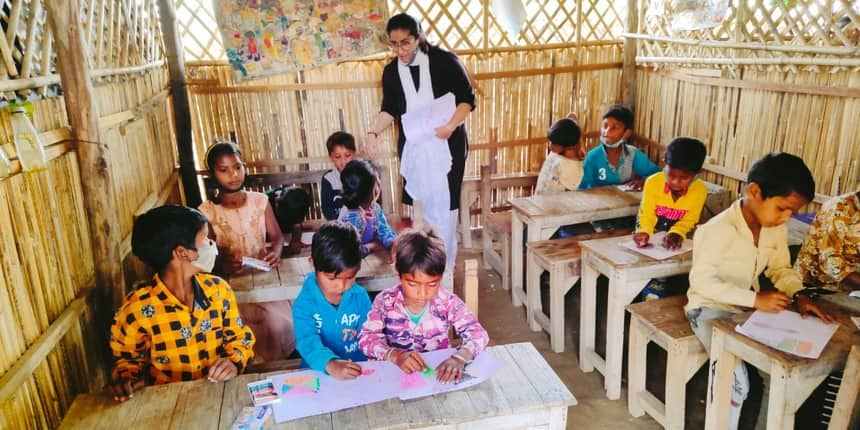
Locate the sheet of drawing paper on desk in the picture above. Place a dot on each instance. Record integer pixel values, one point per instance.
(481, 369)
(655, 247)
(308, 392)
(788, 332)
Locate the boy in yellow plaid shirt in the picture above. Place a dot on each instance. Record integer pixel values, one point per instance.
(185, 323)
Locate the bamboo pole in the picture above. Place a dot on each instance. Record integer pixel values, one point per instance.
(818, 50)
(92, 153)
(179, 94)
(779, 61)
(628, 74)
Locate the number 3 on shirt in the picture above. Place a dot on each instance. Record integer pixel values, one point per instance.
(601, 174)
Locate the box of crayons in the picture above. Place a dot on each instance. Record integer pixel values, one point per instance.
(263, 392)
(252, 418)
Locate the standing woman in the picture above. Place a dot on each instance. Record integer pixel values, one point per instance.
(419, 74)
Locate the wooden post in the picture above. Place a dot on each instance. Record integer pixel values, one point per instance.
(74, 70)
(628, 73)
(179, 95)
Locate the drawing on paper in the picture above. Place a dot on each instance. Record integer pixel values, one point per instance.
(415, 380)
(298, 385)
(266, 37)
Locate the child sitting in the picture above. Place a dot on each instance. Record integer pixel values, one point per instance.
(290, 204)
(360, 193)
(241, 221)
(615, 161)
(732, 249)
(415, 315)
(341, 150)
(562, 169)
(331, 307)
(672, 200)
(830, 255)
(184, 324)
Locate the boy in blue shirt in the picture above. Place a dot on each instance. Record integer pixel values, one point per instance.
(331, 308)
(615, 161)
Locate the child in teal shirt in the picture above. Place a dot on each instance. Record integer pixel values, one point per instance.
(331, 308)
(614, 161)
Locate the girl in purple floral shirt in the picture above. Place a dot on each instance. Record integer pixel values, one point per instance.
(415, 315)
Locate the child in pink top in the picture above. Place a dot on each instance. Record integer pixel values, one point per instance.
(415, 315)
(240, 223)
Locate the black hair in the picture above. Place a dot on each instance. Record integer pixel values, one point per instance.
(419, 251)
(564, 132)
(336, 248)
(217, 150)
(622, 113)
(404, 21)
(159, 231)
(358, 178)
(685, 153)
(779, 174)
(290, 205)
(340, 138)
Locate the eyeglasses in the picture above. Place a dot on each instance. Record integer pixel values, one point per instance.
(405, 43)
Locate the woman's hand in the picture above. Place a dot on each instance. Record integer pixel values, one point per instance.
(124, 389)
(222, 370)
(407, 361)
(672, 241)
(371, 142)
(806, 306)
(343, 369)
(445, 131)
(451, 370)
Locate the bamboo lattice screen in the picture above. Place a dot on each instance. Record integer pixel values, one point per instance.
(51, 343)
(775, 76)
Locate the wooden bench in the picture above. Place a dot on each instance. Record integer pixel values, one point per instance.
(498, 225)
(846, 411)
(662, 322)
(561, 258)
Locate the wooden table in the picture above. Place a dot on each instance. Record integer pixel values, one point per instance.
(792, 378)
(285, 281)
(628, 272)
(544, 214)
(525, 392)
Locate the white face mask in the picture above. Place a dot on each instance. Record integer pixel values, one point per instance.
(612, 145)
(206, 256)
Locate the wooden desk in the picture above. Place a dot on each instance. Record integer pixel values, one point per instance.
(285, 281)
(792, 378)
(544, 214)
(525, 392)
(628, 272)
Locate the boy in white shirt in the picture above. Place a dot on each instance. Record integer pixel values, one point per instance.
(733, 248)
(562, 169)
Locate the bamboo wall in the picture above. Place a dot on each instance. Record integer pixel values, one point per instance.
(567, 58)
(52, 346)
(774, 76)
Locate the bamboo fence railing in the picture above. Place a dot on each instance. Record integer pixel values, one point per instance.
(52, 342)
(774, 76)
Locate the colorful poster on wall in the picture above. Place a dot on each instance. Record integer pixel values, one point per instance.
(689, 15)
(266, 37)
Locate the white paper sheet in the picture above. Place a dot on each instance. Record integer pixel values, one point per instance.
(788, 332)
(655, 247)
(314, 393)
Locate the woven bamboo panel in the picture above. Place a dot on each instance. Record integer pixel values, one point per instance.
(817, 35)
(454, 24)
(740, 125)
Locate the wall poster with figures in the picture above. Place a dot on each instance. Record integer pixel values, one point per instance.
(266, 37)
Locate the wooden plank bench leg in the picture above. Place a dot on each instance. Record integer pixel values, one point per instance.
(557, 288)
(533, 301)
(587, 316)
(846, 410)
(676, 386)
(637, 354)
(506, 261)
